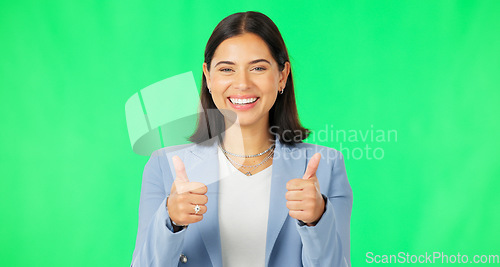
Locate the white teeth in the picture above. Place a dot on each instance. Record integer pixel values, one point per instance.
(242, 101)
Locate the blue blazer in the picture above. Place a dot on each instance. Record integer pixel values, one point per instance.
(288, 243)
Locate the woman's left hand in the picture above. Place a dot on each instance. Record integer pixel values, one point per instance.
(305, 201)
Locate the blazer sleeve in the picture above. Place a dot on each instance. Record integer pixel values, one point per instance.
(156, 243)
(328, 242)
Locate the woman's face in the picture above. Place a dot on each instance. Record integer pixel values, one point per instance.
(244, 78)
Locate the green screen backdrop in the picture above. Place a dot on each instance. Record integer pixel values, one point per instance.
(408, 91)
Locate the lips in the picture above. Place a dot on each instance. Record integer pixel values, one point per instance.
(243, 102)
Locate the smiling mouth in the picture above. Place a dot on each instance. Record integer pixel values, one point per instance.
(243, 101)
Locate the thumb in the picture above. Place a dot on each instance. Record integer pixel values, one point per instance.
(180, 170)
(312, 166)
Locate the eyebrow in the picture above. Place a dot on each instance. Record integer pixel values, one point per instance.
(251, 62)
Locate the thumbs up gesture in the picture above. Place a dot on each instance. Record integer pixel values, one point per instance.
(305, 201)
(185, 196)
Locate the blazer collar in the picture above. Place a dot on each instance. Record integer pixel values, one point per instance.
(202, 165)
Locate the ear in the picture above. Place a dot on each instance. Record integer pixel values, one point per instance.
(207, 74)
(284, 75)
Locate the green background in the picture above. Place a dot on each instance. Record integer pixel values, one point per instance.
(70, 182)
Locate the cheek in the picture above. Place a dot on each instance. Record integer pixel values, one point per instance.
(268, 82)
(269, 87)
(271, 100)
(219, 86)
(218, 98)
(220, 82)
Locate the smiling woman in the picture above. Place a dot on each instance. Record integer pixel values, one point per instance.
(247, 191)
(247, 53)
(244, 78)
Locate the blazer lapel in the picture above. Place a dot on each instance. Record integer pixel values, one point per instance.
(288, 163)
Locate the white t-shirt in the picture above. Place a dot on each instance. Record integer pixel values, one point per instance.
(243, 214)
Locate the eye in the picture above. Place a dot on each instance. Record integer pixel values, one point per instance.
(225, 70)
(259, 68)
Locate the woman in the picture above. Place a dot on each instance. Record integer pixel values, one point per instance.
(248, 191)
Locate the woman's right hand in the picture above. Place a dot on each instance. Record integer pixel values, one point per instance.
(184, 196)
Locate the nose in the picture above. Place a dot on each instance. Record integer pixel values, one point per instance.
(242, 80)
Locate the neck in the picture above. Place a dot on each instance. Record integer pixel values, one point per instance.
(247, 140)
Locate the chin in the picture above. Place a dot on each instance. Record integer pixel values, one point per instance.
(245, 121)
